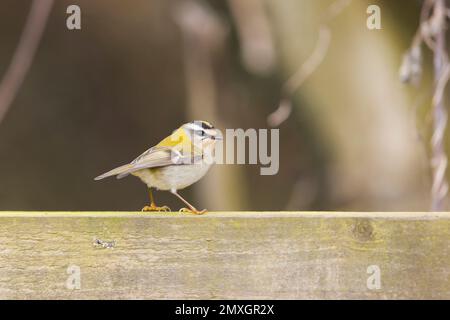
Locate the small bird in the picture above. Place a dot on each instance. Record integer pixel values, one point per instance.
(175, 163)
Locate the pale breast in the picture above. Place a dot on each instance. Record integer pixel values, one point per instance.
(173, 177)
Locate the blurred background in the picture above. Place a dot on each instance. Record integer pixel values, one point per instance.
(355, 139)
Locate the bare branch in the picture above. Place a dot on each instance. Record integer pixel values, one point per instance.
(24, 54)
(439, 159)
(432, 32)
(255, 37)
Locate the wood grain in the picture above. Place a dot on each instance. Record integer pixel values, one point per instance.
(291, 255)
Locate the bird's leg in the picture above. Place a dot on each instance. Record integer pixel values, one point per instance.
(191, 208)
(153, 206)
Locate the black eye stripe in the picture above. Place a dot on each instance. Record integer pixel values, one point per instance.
(206, 125)
(200, 132)
(202, 124)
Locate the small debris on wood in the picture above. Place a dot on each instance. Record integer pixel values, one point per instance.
(104, 244)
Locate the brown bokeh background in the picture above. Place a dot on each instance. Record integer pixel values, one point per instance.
(96, 98)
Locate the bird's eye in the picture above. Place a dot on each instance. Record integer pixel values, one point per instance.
(200, 133)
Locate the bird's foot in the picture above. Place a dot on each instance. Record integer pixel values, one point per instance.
(154, 208)
(192, 211)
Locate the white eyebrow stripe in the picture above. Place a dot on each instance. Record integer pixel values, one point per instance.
(194, 126)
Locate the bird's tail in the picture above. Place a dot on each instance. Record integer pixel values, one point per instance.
(121, 172)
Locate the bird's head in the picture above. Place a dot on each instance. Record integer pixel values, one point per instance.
(202, 136)
(201, 133)
(196, 137)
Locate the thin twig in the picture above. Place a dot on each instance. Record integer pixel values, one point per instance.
(311, 64)
(24, 54)
(282, 113)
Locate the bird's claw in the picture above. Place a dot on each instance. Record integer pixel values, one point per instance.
(154, 208)
(191, 211)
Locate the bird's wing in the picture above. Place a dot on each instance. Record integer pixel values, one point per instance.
(157, 156)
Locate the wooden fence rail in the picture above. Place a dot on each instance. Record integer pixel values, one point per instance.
(293, 255)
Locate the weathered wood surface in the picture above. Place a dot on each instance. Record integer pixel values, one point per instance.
(225, 255)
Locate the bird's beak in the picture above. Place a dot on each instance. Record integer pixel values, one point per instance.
(214, 134)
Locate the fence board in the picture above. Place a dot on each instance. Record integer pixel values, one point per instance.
(290, 255)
